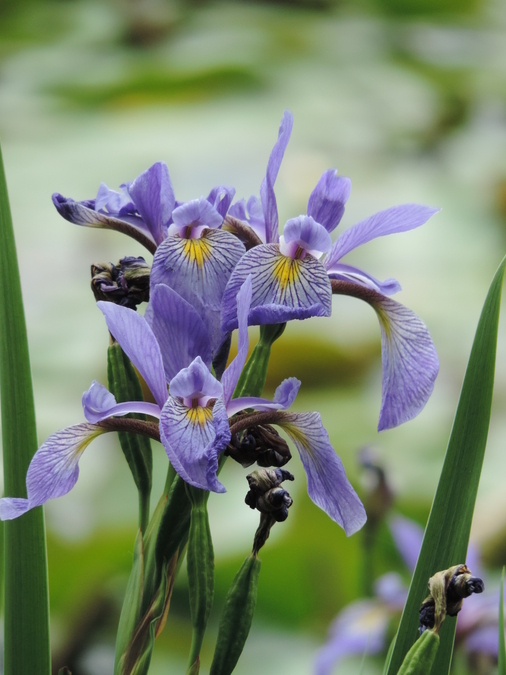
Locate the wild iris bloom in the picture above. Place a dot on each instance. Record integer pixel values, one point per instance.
(172, 345)
(296, 274)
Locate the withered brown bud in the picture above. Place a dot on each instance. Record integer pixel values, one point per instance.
(125, 284)
(261, 444)
(447, 592)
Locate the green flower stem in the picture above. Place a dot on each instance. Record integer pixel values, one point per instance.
(254, 374)
(421, 656)
(200, 562)
(26, 644)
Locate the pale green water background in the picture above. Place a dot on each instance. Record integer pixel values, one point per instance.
(411, 108)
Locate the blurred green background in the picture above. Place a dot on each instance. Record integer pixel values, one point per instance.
(408, 98)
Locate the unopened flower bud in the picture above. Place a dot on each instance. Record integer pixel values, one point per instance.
(447, 592)
(261, 444)
(125, 284)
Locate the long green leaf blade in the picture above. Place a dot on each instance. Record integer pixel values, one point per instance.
(447, 532)
(26, 593)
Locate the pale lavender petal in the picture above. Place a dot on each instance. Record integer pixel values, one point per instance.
(221, 197)
(252, 213)
(484, 640)
(196, 213)
(327, 484)
(360, 628)
(193, 441)
(99, 404)
(195, 381)
(270, 208)
(284, 396)
(138, 342)
(396, 219)
(53, 470)
(357, 276)
(116, 203)
(198, 269)
(231, 375)
(408, 537)
(178, 328)
(154, 198)
(308, 234)
(410, 363)
(283, 288)
(326, 202)
(391, 589)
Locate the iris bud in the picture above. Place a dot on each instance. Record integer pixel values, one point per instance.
(273, 502)
(125, 284)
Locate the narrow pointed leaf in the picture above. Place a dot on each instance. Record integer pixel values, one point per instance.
(26, 593)
(447, 533)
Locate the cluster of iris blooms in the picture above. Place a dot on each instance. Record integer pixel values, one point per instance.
(220, 266)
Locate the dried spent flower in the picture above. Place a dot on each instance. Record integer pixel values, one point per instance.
(125, 284)
(261, 444)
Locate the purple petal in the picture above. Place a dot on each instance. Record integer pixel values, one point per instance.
(284, 396)
(195, 381)
(327, 484)
(267, 195)
(410, 363)
(360, 628)
(308, 234)
(179, 330)
(53, 470)
(408, 537)
(193, 438)
(283, 288)
(231, 375)
(252, 214)
(83, 213)
(195, 214)
(358, 276)
(99, 404)
(221, 197)
(198, 270)
(138, 342)
(116, 203)
(154, 198)
(396, 219)
(326, 202)
(391, 589)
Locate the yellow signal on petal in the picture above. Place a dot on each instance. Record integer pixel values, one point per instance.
(287, 271)
(200, 416)
(197, 251)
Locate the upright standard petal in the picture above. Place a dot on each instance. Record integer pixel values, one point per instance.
(198, 270)
(396, 219)
(139, 343)
(221, 197)
(53, 470)
(153, 196)
(193, 439)
(327, 484)
(179, 330)
(267, 195)
(327, 201)
(283, 288)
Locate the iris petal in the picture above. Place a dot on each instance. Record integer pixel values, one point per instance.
(326, 202)
(195, 381)
(283, 288)
(53, 470)
(284, 396)
(358, 276)
(154, 198)
(99, 404)
(327, 484)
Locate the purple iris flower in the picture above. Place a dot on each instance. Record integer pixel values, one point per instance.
(295, 275)
(142, 208)
(172, 345)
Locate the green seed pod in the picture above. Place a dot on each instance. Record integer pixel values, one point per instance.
(236, 617)
(421, 656)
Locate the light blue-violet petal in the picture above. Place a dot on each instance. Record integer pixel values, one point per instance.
(327, 484)
(115, 203)
(138, 342)
(361, 627)
(196, 213)
(326, 202)
(221, 197)
(410, 363)
(195, 381)
(153, 196)
(408, 537)
(344, 272)
(396, 219)
(308, 234)
(233, 371)
(99, 404)
(267, 195)
(391, 589)
(284, 396)
(53, 470)
(283, 288)
(252, 213)
(192, 444)
(178, 328)
(198, 270)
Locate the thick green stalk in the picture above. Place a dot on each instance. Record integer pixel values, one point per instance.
(26, 647)
(254, 374)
